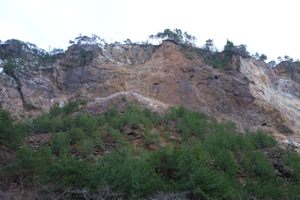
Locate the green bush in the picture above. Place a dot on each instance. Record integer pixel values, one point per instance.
(76, 134)
(60, 144)
(10, 132)
(292, 159)
(256, 164)
(266, 189)
(55, 111)
(58, 119)
(70, 172)
(137, 117)
(225, 160)
(28, 164)
(9, 68)
(71, 107)
(86, 147)
(262, 140)
(45, 124)
(188, 123)
(127, 174)
(151, 138)
(86, 122)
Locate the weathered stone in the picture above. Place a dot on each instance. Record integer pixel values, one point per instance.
(251, 94)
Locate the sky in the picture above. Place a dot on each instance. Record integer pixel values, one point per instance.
(265, 26)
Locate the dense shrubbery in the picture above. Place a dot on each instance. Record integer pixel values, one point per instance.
(11, 133)
(208, 160)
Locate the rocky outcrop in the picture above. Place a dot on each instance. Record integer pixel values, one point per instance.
(251, 94)
(10, 98)
(289, 70)
(121, 100)
(276, 95)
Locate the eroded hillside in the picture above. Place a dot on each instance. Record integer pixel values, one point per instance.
(251, 94)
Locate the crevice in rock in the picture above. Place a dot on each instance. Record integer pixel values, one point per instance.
(19, 85)
(19, 89)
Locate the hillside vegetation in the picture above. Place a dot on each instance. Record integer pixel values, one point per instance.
(137, 154)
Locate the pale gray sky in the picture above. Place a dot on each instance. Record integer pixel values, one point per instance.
(265, 26)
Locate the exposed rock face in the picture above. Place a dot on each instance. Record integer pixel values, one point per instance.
(253, 95)
(289, 70)
(278, 97)
(289, 78)
(120, 100)
(10, 98)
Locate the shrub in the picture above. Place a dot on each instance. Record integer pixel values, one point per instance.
(70, 172)
(10, 132)
(76, 134)
(151, 138)
(262, 140)
(55, 110)
(292, 159)
(266, 189)
(188, 123)
(59, 144)
(257, 165)
(86, 147)
(45, 124)
(136, 117)
(9, 68)
(28, 165)
(72, 106)
(125, 173)
(226, 161)
(86, 123)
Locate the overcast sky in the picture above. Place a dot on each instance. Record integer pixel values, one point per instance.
(269, 27)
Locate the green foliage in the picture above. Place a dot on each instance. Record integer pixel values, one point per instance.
(221, 60)
(58, 119)
(292, 159)
(229, 47)
(9, 67)
(176, 35)
(134, 117)
(76, 134)
(55, 110)
(86, 147)
(69, 172)
(262, 140)
(71, 107)
(263, 57)
(10, 132)
(59, 144)
(151, 138)
(209, 160)
(188, 123)
(240, 50)
(45, 123)
(86, 122)
(257, 164)
(28, 165)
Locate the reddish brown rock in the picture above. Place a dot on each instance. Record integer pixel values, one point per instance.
(249, 93)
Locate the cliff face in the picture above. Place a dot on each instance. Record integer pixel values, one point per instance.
(276, 94)
(253, 95)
